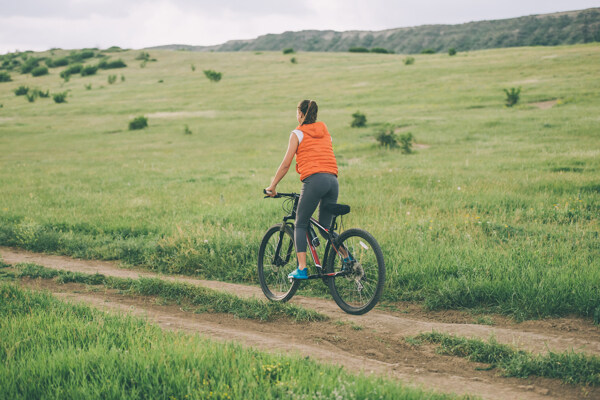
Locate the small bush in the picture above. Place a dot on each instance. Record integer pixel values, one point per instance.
(138, 123)
(186, 130)
(143, 56)
(79, 56)
(21, 90)
(213, 76)
(452, 51)
(112, 79)
(387, 138)
(59, 62)
(113, 49)
(381, 50)
(71, 69)
(39, 71)
(5, 77)
(409, 60)
(106, 64)
(88, 86)
(122, 78)
(293, 60)
(358, 50)
(41, 94)
(193, 67)
(512, 96)
(60, 97)
(89, 70)
(406, 142)
(29, 65)
(288, 51)
(31, 96)
(359, 120)
(428, 51)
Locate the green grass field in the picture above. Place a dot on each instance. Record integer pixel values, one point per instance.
(52, 349)
(499, 212)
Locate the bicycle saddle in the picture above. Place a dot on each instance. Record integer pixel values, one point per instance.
(338, 209)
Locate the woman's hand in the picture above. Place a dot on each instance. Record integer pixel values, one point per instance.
(270, 191)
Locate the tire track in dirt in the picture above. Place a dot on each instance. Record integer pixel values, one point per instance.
(339, 344)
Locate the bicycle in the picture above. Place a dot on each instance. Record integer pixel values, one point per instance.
(355, 285)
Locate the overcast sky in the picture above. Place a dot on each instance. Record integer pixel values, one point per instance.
(68, 24)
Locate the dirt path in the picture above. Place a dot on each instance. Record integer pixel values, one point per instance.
(378, 345)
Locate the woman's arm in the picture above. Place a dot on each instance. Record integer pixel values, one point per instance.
(285, 164)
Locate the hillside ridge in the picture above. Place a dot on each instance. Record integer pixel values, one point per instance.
(560, 28)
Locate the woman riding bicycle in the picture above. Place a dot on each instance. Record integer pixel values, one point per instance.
(311, 143)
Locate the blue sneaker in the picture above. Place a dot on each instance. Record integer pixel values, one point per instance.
(299, 274)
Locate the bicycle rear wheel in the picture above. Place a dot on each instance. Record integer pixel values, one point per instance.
(276, 260)
(358, 289)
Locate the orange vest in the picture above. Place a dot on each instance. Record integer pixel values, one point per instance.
(315, 152)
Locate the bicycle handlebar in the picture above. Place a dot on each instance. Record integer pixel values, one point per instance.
(280, 194)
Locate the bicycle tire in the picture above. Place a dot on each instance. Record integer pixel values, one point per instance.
(360, 290)
(273, 269)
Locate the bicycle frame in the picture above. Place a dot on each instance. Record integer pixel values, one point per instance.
(313, 252)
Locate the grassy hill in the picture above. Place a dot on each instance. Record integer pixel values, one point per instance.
(572, 27)
(497, 208)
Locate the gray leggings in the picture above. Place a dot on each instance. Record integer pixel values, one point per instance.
(320, 187)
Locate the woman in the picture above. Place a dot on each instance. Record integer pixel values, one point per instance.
(310, 142)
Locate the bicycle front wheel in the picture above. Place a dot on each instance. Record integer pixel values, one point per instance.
(276, 260)
(358, 288)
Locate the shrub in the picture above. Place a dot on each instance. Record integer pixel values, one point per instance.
(387, 138)
(451, 51)
(88, 86)
(358, 50)
(21, 90)
(29, 65)
(213, 76)
(106, 64)
(409, 60)
(288, 51)
(39, 71)
(71, 69)
(31, 96)
(359, 120)
(60, 97)
(81, 55)
(428, 51)
(138, 123)
(59, 62)
(193, 67)
(406, 142)
(113, 49)
(381, 50)
(512, 96)
(122, 78)
(89, 70)
(112, 79)
(186, 130)
(293, 60)
(143, 56)
(41, 94)
(5, 77)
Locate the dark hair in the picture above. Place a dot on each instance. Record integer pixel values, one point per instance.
(309, 109)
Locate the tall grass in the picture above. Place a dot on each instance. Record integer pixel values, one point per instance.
(500, 211)
(569, 366)
(201, 299)
(52, 349)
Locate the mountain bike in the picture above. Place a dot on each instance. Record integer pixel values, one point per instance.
(353, 267)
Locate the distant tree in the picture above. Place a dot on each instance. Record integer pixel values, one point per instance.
(381, 50)
(5, 77)
(451, 51)
(428, 51)
(288, 51)
(358, 50)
